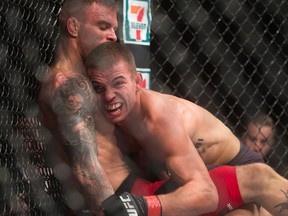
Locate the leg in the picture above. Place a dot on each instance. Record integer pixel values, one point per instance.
(260, 183)
(248, 210)
(264, 212)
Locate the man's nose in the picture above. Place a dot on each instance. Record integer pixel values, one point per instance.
(109, 94)
(112, 35)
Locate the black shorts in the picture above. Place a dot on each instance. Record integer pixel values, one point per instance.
(245, 156)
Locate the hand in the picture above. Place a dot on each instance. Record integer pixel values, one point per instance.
(127, 204)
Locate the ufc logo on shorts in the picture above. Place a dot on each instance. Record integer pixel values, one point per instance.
(130, 208)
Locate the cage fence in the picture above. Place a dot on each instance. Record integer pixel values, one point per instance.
(230, 57)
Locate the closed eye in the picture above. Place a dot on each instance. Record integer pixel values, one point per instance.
(103, 25)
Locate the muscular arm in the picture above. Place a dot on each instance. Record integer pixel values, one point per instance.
(74, 104)
(197, 193)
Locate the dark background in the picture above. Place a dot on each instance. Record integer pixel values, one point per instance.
(227, 56)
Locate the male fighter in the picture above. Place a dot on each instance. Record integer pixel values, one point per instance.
(67, 100)
(144, 117)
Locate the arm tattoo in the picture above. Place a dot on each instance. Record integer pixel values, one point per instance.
(74, 104)
(284, 205)
(199, 143)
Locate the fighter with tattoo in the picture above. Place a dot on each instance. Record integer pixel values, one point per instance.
(67, 102)
(283, 206)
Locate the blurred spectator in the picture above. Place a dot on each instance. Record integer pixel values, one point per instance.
(260, 134)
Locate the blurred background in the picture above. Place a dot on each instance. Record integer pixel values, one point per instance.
(228, 56)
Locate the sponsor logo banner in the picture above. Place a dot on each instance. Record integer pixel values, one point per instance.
(146, 77)
(137, 22)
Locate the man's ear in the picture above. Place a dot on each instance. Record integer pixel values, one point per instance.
(73, 26)
(139, 79)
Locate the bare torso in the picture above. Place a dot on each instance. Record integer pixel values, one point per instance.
(108, 153)
(110, 156)
(215, 143)
(212, 139)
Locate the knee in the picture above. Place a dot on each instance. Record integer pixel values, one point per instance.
(252, 179)
(255, 170)
(261, 169)
(258, 173)
(256, 181)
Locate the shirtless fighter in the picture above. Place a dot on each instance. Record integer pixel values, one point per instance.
(67, 100)
(144, 116)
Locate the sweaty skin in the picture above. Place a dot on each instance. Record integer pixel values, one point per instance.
(147, 129)
(215, 143)
(67, 101)
(154, 122)
(110, 156)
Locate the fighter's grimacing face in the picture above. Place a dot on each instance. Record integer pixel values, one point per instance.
(116, 90)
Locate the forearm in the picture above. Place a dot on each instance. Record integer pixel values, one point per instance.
(86, 168)
(185, 201)
(74, 104)
(191, 199)
(94, 185)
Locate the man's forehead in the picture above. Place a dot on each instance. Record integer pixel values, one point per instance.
(106, 77)
(102, 10)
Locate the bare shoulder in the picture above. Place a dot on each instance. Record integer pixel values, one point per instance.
(162, 109)
(153, 104)
(172, 105)
(164, 125)
(49, 84)
(172, 110)
(195, 111)
(153, 99)
(60, 79)
(65, 92)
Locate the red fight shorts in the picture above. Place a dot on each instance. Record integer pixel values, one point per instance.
(224, 177)
(139, 186)
(143, 187)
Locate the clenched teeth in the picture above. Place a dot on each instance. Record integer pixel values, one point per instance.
(113, 106)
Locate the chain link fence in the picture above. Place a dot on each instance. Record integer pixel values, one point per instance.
(227, 56)
(27, 40)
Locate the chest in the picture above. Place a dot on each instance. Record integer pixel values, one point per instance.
(127, 142)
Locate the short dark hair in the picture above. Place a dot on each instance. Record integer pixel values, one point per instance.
(263, 119)
(70, 7)
(107, 54)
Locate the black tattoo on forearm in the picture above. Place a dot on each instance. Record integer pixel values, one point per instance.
(283, 206)
(74, 104)
(199, 143)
